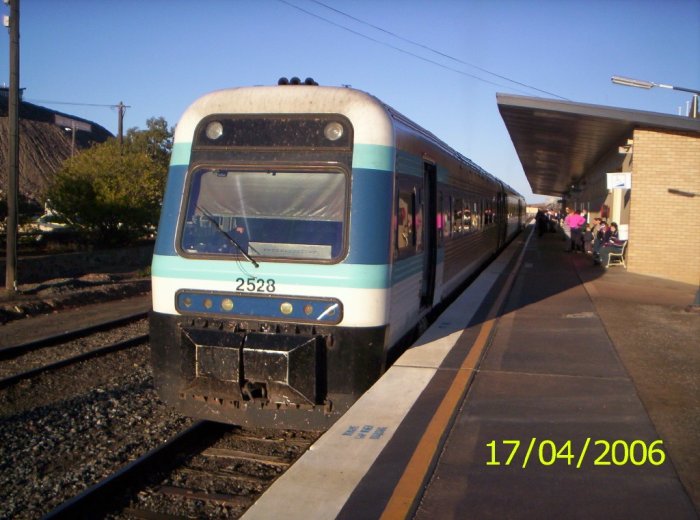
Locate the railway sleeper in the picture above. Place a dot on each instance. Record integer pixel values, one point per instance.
(217, 498)
(227, 476)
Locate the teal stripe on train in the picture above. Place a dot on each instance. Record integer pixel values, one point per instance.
(337, 275)
(409, 164)
(373, 157)
(170, 210)
(181, 154)
(412, 266)
(406, 268)
(414, 165)
(365, 156)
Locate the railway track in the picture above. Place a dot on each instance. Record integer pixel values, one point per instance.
(27, 360)
(47, 340)
(64, 430)
(93, 422)
(207, 471)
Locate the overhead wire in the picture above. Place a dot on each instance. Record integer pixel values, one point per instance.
(435, 51)
(399, 49)
(412, 54)
(49, 102)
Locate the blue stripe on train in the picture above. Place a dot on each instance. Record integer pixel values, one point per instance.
(370, 217)
(169, 213)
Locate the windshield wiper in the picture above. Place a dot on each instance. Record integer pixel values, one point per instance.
(211, 219)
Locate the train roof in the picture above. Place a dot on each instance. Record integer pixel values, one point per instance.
(356, 105)
(445, 147)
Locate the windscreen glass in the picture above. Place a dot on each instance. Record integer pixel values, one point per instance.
(266, 214)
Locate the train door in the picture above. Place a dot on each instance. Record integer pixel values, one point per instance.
(430, 230)
(502, 218)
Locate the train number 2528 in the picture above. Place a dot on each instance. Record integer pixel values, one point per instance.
(255, 285)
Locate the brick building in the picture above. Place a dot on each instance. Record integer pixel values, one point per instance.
(569, 150)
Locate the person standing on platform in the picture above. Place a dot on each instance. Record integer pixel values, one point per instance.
(588, 240)
(565, 225)
(552, 218)
(575, 221)
(541, 221)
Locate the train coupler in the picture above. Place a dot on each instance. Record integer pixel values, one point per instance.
(267, 368)
(289, 366)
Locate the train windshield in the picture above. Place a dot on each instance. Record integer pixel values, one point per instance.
(296, 215)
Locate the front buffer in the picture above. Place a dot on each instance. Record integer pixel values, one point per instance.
(278, 375)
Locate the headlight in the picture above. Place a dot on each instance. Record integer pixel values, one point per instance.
(333, 131)
(214, 130)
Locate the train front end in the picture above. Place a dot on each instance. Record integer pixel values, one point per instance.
(271, 268)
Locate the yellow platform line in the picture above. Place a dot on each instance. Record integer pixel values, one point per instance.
(413, 477)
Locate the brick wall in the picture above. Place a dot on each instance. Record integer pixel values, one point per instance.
(664, 228)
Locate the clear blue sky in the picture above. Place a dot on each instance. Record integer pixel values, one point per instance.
(160, 55)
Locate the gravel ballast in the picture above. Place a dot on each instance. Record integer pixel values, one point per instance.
(64, 431)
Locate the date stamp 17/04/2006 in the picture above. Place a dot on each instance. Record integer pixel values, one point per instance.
(598, 452)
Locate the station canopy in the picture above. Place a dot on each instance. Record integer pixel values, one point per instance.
(559, 141)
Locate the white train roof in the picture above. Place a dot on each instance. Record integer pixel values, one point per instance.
(371, 122)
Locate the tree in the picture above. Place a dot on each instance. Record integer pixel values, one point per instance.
(115, 191)
(27, 210)
(156, 140)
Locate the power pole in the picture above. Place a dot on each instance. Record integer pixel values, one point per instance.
(13, 153)
(122, 108)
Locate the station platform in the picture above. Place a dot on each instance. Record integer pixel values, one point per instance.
(550, 388)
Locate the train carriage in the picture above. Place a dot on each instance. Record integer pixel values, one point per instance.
(305, 231)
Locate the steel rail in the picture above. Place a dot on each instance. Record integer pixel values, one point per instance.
(99, 497)
(101, 351)
(47, 341)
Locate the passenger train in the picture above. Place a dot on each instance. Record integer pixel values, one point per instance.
(305, 230)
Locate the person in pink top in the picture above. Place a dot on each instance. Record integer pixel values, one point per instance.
(575, 221)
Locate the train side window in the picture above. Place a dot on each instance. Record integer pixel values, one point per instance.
(466, 217)
(457, 210)
(418, 212)
(395, 223)
(405, 221)
(451, 223)
(447, 217)
(439, 219)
